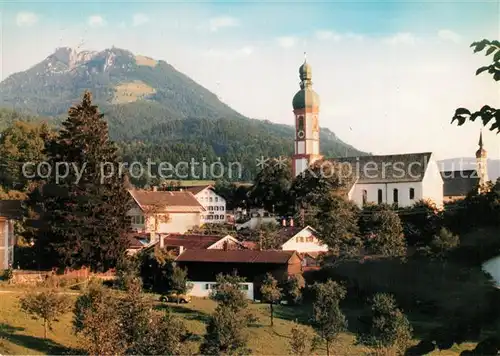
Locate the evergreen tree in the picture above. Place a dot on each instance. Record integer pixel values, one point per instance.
(81, 213)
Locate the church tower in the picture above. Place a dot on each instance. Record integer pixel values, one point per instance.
(481, 164)
(306, 110)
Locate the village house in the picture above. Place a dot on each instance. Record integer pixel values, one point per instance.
(178, 243)
(164, 211)
(214, 204)
(10, 210)
(203, 266)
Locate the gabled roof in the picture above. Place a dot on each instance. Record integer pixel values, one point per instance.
(459, 183)
(288, 232)
(166, 201)
(196, 190)
(236, 256)
(190, 241)
(11, 209)
(398, 168)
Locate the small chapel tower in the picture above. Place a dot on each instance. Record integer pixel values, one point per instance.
(306, 110)
(482, 164)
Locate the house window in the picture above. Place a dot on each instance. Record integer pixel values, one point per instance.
(395, 196)
(310, 239)
(138, 219)
(222, 208)
(379, 198)
(365, 196)
(210, 208)
(210, 199)
(412, 193)
(216, 199)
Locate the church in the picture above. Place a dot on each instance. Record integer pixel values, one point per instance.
(400, 179)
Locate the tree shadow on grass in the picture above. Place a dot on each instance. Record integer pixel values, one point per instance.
(300, 313)
(48, 347)
(188, 314)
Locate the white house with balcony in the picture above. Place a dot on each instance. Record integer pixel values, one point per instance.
(400, 179)
(158, 212)
(301, 239)
(214, 204)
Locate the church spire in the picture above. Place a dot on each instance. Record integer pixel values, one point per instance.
(481, 152)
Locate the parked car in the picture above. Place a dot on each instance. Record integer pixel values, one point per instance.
(174, 297)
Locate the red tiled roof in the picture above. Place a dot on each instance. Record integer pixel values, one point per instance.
(167, 201)
(190, 241)
(236, 256)
(251, 245)
(196, 190)
(134, 239)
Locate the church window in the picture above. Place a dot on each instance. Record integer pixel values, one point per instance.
(365, 197)
(412, 193)
(380, 200)
(300, 123)
(395, 195)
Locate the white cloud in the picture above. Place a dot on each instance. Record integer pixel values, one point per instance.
(287, 42)
(140, 19)
(327, 35)
(401, 38)
(26, 19)
(96, 21)
(448, 35)
(230, 54)
(223, 22)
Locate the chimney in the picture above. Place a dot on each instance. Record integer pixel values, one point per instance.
(291, 222)
(181, 249)
(180, 190)
(162, 242)
(155, 188)
(283, 222)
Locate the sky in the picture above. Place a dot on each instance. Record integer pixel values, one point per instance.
(390, 74)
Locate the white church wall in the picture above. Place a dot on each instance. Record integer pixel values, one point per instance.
(387, 189)
(433, 184)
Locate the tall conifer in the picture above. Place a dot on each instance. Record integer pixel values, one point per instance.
(81, 219)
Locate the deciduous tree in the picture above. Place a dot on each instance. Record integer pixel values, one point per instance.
(178, 281)
(98, 323)
(302, 342)
(271, 293)
(47, 306)
(385, 326)
(382, 230)
(328, 319)
(487, 114)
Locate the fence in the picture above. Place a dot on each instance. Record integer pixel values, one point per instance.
(35, 277)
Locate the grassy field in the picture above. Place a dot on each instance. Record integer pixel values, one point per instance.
(19, 334)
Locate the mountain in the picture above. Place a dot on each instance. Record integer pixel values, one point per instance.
(466, 163)
(153, 110)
